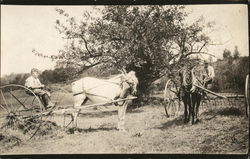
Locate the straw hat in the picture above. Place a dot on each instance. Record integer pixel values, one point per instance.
(35, 70)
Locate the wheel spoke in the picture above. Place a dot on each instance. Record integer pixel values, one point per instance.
(11, 98)
(35, 103)
(4, 108)
(4, 101)
(25, 100)
(247, 95)
(18, 101)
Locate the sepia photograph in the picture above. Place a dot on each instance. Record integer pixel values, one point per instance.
(124, 79)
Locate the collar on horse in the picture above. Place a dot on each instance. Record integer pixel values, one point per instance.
(188, 80)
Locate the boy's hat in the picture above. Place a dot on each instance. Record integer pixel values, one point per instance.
(35, 70)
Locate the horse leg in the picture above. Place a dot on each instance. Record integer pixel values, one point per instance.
(193, 103)
(78, 100)
(189, 106)
(122, 109)
(198, 102)
(180, 107)
(185, 109)
(175, 108)
(121, 116)
(166, 105)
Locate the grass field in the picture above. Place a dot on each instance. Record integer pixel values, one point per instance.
(221, 129)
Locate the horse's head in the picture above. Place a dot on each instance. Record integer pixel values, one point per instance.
(188, 79)
(131, 80)
(134, 80)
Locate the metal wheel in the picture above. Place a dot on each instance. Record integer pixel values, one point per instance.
(20, 109)
(247, 95)
(171, 98)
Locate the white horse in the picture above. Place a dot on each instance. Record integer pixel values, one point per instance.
(101, 91)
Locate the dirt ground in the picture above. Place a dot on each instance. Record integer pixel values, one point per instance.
(220, 130)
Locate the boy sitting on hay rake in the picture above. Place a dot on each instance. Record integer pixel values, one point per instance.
(33, 83)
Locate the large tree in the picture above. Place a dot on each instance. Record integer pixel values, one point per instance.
(151, 40)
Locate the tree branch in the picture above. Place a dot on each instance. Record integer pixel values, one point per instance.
(191, 53)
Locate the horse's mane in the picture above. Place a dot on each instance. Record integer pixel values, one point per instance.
(187, 77)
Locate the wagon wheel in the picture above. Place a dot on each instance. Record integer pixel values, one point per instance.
(247, 95)
(171, 92)
(20, 109)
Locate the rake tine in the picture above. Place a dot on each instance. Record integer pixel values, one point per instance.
(36, 131)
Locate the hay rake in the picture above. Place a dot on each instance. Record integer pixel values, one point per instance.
(21, 109)
(172, 103)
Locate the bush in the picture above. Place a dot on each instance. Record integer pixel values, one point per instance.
(230, 75)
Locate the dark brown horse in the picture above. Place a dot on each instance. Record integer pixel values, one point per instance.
(191, 95)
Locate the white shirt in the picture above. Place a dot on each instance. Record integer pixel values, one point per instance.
(33, 82)
(210, 71)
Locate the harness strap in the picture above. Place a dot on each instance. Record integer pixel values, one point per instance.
(96, 95)
(75, 94)
(173, 91)
(88, 94)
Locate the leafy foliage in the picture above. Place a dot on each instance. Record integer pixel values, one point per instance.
(57, 75)
(230, 75)
(236, 54)
(14, 79)
(227, 54)
(151, 40)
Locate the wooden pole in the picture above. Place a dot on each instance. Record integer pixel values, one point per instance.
(61, 111)
(110, 102)
(211, 92)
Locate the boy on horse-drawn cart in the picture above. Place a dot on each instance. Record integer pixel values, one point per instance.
(33, 83)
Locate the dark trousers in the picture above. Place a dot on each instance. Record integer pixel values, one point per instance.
(208, 82)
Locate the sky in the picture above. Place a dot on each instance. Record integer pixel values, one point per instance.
(24, 28)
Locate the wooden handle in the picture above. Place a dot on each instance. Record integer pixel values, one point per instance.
(211, 92)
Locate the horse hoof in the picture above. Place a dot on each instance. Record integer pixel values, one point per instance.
(197, 121)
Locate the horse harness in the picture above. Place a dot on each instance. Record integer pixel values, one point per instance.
(129, 82)
(188, 80)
